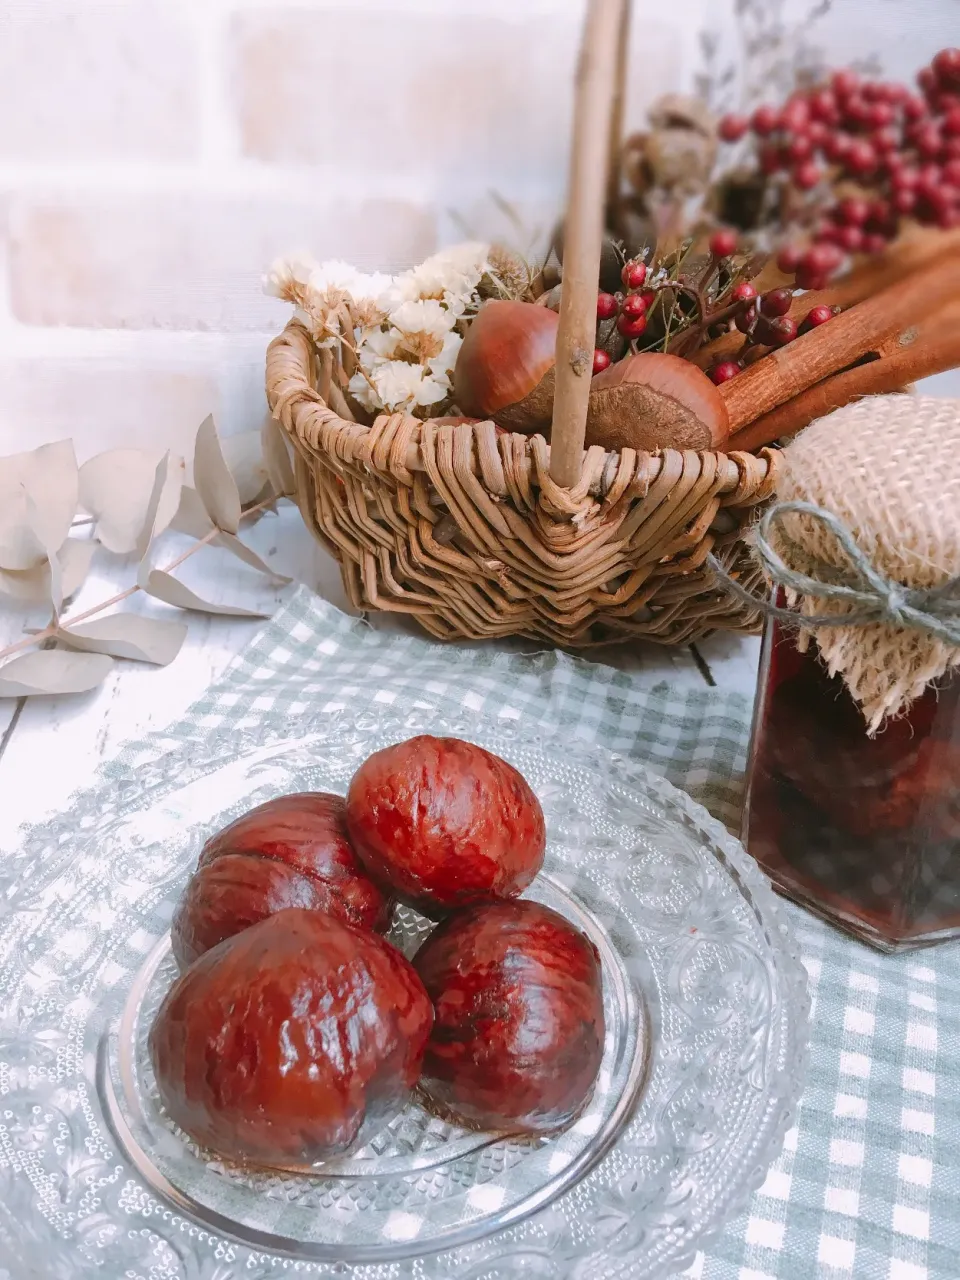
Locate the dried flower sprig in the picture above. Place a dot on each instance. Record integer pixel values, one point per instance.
(402, 332)
(131, 499)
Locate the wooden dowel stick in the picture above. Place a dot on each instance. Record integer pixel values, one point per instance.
(583, 233)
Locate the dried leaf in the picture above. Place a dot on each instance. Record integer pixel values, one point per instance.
(53, 671)
(244, 456)
(76, 556)
(116, 488)
(213, 481)
(277, 458)
(127, 635)
(33, 586)
(164, 586)
(38, 528)
(248, 556)
(163, 502)
(191, 517)
(48, 476)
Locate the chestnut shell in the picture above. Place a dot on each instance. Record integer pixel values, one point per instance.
(518, 1029)
(292, 1041)
(445, 824)
(505, 366)
(655, 401)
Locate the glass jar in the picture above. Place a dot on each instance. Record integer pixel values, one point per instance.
(863, 831)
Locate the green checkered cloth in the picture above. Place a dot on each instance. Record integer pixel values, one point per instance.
(868, 1184)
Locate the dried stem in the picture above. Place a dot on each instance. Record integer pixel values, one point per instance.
(50, 632)
(596, 74)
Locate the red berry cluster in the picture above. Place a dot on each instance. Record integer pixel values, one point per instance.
(765, 323)
(901, 150)
(630, 308)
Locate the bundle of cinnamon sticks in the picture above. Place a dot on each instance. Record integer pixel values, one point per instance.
(900, 322)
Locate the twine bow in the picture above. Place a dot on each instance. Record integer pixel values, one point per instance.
(873, 597)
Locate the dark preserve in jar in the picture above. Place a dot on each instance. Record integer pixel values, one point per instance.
(864, 831)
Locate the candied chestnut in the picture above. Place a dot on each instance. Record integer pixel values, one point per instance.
(290, 852)
(445, 824)
(233, 893)
(308, 831)
(292, 1041)
(518, 1026)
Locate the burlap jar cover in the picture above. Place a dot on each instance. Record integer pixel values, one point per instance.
(867, 528)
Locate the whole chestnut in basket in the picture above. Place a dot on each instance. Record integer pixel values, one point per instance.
(292, 851)
(445, 824)
(518, 1027)
(291, 1041)
(655, 401)
(505, 366)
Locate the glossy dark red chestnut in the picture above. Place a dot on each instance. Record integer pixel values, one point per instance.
(518, 1032)
(292, 851)
(445, 824)
(292, 1041)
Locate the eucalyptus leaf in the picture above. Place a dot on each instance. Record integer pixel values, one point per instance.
(33, 586)
(54, 568)
(191, 517)
(48, 477)
(164, 586)
(53, 671)
(213, 481)
(128, 635)
(277, 458)
(247, 555)
(76, 556)
(244, 456)
(116, 488)
(163, 502)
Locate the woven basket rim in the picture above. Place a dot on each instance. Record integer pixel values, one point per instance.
(290, 386)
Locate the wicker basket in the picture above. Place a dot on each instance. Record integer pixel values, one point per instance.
(478, 533)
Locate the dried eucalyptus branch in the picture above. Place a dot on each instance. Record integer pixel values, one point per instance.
(129, 499)
(56, 629)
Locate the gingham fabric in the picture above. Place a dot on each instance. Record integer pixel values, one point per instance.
(868, 1185)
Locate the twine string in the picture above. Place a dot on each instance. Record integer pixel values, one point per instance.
(869, 595)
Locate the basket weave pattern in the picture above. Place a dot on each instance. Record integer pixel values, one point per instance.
(463, 527)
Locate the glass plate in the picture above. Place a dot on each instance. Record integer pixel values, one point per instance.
(705, 1003)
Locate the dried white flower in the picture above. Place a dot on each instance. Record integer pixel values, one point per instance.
(335, 276)
(363, 393)
(426, 315)
(288, 277)
(455, 271)
(405, 386)
(446, 358)
(404, 329)
(379, 344)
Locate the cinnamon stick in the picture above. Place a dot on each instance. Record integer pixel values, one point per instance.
(909, 254)
(896, 368)
(847, 338)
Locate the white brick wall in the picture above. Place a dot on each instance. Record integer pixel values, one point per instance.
(156, 154)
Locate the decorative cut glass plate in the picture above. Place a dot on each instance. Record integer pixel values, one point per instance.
(705, 1002)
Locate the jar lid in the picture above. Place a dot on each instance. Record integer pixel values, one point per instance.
(888, 468)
